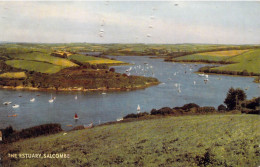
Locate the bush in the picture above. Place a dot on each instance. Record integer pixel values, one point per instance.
(222, 108)
(136, 115)
(206, 109)
(251, 104)
(7, 132)
(34, 132)
(162, 111)
(112, 69)
(187, 107)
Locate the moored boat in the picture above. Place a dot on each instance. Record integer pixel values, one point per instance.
(76, 116)
(16, 106)
(7, 103)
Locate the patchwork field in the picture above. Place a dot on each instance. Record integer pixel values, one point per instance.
(94, 60)
(35, 66)
(249, 61)
(13, 75)
(43, 57)
(217, 56)
(203, 140)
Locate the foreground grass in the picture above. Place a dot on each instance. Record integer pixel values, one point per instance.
(214, 140)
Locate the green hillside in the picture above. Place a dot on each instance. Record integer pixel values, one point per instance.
(203, 140)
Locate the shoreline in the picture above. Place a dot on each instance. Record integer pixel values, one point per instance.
(214, 73)
(70, 89)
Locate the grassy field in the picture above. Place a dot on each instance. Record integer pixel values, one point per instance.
(203, 140)
(212, 56)
(249, 61)
(35, 66)
(93, 60)
(13, 75)
(240, 60)
(43, 57)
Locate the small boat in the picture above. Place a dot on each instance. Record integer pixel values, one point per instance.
(119, 119)
(88, 126)
(194, 82)
(104, 93)
(7, 103)
(32, 100)
(201, 75)
(16, 106)
(76, 97)
(179, 89)
(15, 115)
(76, 116)
(207, 76)
(205, 81)
(52, 99)
(138, 109)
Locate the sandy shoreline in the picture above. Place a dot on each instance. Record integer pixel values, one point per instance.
(80, 88)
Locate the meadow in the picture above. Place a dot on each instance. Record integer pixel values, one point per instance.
(202, 140)
(248, 61)
(43, 57)
(13, 75)
(217, 56)
(242, 61)
(34, 66)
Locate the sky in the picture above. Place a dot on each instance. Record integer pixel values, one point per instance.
(168, 22)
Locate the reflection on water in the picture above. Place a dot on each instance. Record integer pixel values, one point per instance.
(180, 85)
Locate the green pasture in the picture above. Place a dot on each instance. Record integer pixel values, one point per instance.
(249, 61)
(43, 57)
(35, 66)
(203, 140)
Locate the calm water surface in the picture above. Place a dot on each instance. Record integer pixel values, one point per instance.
(100, 108)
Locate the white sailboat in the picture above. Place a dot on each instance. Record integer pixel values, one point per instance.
(138, 108)
(16, 106)
(7, 103)
(32, 100)
(179, 89)
(51, 100)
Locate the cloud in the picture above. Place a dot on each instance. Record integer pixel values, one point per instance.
(82, 21)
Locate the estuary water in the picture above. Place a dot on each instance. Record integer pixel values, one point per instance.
(179, 85)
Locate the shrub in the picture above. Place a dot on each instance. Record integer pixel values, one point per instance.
(136, 115)
(34, 132)
(206, 109)
(112, 69)
(221, 107)
(187, 107)
(162, 111)
(251, 104)
(7, 132)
